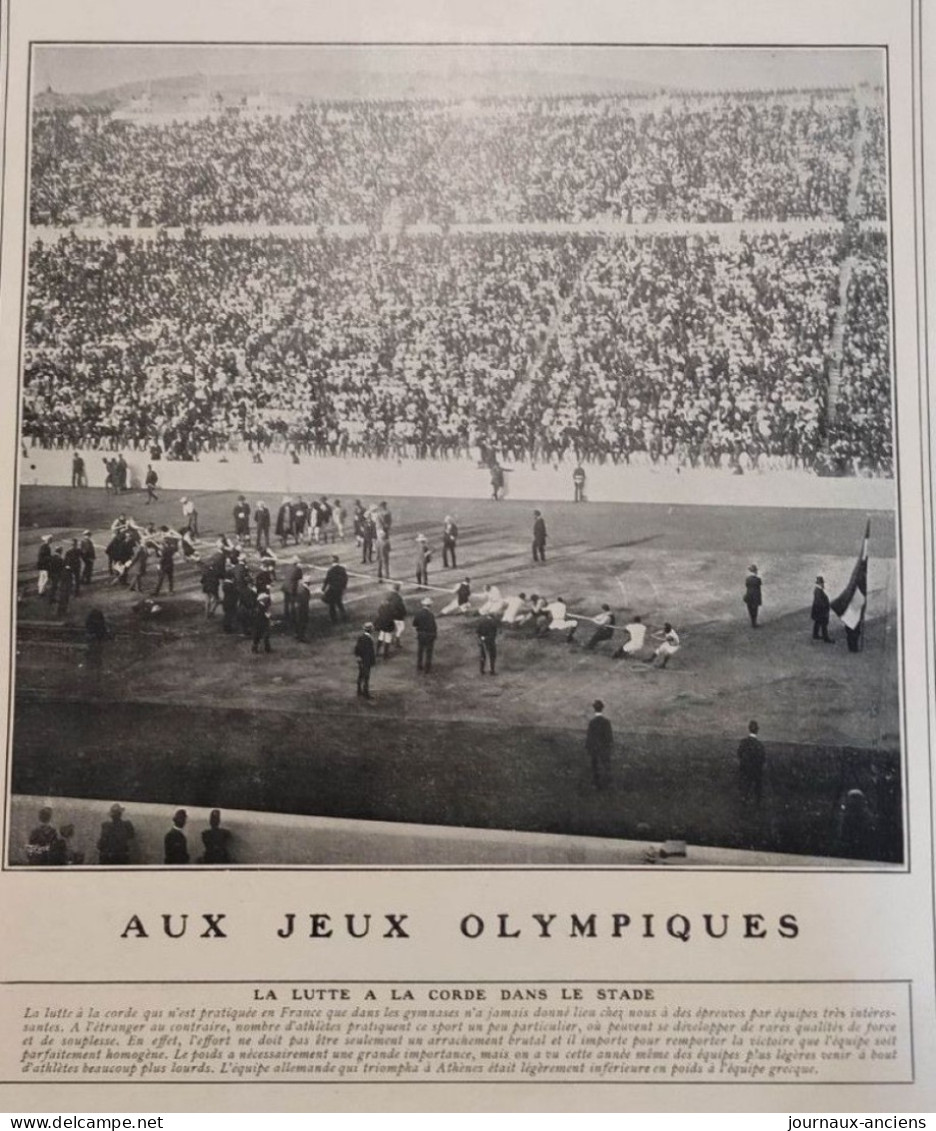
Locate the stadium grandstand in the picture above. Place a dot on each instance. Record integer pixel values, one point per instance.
(685, 278)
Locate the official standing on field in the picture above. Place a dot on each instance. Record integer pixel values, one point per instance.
(366, 652)
(424, 623)
(449, 542)
(752, 594)
(487, 641)
(333, 587)
(539, 537)
(821, 610)
(751, 759)
(599, 745)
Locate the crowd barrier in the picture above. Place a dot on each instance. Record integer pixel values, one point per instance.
(279, 475)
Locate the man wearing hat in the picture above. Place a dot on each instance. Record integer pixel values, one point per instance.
(242, 520)
(424, 623)
(449, 541)
(820, 612)
(366, 654)
(752, 594)
(116, 834)
(261, 623)
(86, 548)
(175, 841)
(423, 558)
(333, 587)
(599, 745)
(487, 641)
(262, 520)
(43, 562)
(539, 537)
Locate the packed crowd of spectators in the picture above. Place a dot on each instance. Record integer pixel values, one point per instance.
(696, 350)
(860, 428)
(690, 349)
(711, 349)
(872, 180)
(685, 157)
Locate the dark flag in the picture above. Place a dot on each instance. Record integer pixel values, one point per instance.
(849, 606)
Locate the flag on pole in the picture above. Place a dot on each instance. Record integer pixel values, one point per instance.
(849, 605)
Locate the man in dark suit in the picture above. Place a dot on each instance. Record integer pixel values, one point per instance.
(426, 631)
(449, 542)
(291, 591)
(487, 641)
(751, 759)
(262, 526)
(599, 745)
(242, 521)
(333, 587)
(366, 652)
(752, 594)
(821, 610)
(87, 558)
(539, 537)
(175, 841)
(116, 834)
(303, 600)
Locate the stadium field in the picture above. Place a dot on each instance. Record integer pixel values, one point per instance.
(182, 714)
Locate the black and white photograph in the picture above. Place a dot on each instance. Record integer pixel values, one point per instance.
(457, 456)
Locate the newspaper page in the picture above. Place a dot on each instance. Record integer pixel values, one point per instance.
(469, 598)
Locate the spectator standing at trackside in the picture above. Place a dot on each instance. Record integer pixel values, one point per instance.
(41, 839)
(497, 481)
(578, 484)
(150, 482)
(116, 835)
(216, 840)
(175, 841)
(424, 623)
(449, 543)
(539, 537)
(821, 611)
(487, 642)
(365, 652)
(79, 476)
(752, 594)
(751, 760)
(599, 745)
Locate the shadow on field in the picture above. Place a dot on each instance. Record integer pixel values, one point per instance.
(450, 773)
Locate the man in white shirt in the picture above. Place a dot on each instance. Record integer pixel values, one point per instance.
(636, 634)
(493, 604)
(668, 647)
